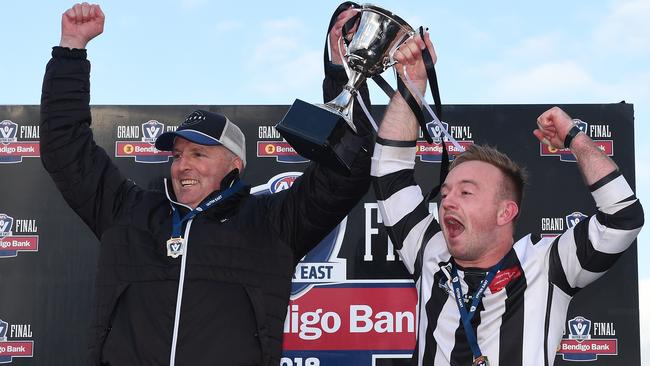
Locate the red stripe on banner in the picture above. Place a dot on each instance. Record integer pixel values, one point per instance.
(424, 148)
(17, 349)
(606, 146)
(25, 149)
(136, 148)
(352, 319)
(275, 148)
(589, 346)
(27, 243)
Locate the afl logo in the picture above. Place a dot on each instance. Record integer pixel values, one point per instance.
(277, 183)
(12, 150)
(574, 218)
(436, 132)
(8, 131)
(284, 181)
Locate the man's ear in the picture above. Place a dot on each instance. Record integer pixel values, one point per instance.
(507, 213)
(239, 164)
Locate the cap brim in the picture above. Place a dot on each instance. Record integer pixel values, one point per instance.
(165, 142)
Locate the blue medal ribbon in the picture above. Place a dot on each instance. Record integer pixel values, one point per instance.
(177, 222)
(465, 316)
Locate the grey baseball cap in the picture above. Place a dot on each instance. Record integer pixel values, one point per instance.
(207, 128)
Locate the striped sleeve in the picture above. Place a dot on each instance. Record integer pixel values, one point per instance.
(402, 206)
(585, 252)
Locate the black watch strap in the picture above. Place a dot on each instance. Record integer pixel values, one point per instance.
(573, 132)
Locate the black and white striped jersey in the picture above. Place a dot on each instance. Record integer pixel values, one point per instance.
(520, 319)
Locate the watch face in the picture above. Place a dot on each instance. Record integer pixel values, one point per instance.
(582, 125)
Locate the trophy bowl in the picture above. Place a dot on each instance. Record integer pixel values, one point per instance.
(315, 131)
(370, 52)
(379, 34)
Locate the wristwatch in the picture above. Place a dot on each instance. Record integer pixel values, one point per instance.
(573, 132)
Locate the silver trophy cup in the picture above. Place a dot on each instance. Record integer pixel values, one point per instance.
(369, 53)
(318, 132)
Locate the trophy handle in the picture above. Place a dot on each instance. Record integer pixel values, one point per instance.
(344, 58)
(391, 59)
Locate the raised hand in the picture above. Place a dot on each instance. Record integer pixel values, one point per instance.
(336, 42)
(80, 24)
(409, 57)
(553, 126)
(399, 122)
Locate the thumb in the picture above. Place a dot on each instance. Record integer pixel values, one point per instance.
(538, 134)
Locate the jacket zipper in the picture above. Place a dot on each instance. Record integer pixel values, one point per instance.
(179, 296)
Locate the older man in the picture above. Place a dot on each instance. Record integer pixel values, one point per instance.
(199, 274)
(484, 298)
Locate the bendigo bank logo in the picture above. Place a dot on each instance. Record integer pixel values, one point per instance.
(11, 244)
(143, 150)
(276, 147)
(581, 346)
(432, 153)
(12, 150)
(321, 265)
(594, 131)
(15, 348)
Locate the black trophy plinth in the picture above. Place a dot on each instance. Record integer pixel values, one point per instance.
(320, 135)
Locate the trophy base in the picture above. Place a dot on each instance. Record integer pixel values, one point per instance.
(321, 135)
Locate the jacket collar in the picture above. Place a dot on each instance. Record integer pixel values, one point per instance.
(171, 196)
(227, 204)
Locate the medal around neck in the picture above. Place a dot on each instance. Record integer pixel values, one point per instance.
(317, 131)
(175, 247)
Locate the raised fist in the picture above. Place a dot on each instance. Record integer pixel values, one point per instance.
(552, 127)
(409, 58)
(80, 24)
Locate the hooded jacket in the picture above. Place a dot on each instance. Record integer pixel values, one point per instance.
(235, 276)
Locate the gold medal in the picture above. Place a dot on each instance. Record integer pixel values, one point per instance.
(175, 247)
(481, 361)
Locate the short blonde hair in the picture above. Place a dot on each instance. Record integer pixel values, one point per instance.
(515, 177)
